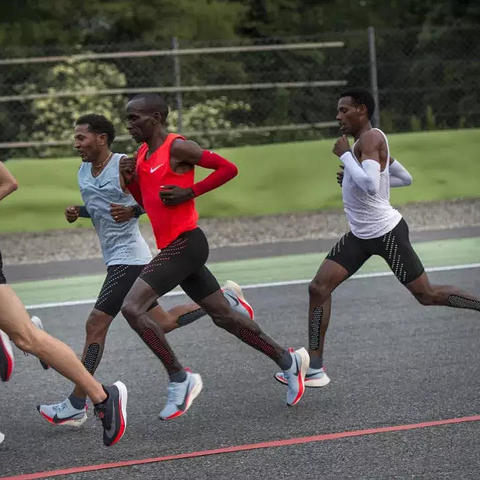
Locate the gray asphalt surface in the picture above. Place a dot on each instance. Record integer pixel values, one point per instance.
(391, 361)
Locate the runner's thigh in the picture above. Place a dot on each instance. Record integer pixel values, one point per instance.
(200, 284)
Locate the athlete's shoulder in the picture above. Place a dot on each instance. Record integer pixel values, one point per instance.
(373, 134)
(372, 137)
(182, 145)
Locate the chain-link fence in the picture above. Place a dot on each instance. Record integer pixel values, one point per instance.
(222, 94)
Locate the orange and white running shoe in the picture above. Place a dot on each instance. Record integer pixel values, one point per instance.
(295, 375)
(313, 379)
(181, 395)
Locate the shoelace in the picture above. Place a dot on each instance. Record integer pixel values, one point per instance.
(100, 414)
(60, 407)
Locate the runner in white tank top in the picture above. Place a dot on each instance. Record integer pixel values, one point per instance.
(369, 215)
(376, 227)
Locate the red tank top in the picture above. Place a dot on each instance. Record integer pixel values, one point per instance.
(167, 222)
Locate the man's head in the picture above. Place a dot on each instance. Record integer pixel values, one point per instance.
(93, 136)
(354, 109)
(146, 114)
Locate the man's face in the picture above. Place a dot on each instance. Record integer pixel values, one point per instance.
(88, 144)
(140, 123)
(348, 115)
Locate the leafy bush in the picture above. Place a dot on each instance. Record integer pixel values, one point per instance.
(54, 117)
(214, 114)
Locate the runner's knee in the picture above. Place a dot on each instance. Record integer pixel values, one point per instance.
(26, 341)
(132, 313)
(222, 316)
(424, 297)
(97, 324)
(318, 290)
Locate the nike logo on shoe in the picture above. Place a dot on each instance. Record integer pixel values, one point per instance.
(183, 405)
(233, 297)
(156, 168)
(57, 419)
(111, 431)
(296, 366)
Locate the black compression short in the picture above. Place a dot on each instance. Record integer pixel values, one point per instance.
(118, 282)
(182, 263)
(352, 252)
(3, 280)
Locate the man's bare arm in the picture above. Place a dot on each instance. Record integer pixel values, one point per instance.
(8, 183)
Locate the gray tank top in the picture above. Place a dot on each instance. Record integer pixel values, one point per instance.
(122, 243)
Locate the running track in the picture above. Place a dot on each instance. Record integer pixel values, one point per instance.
(403, 402)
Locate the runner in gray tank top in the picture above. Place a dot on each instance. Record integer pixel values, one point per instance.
(376, 228)
(114, 214)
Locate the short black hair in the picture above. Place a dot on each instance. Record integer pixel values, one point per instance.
(98, 124)
(153, 103)
(361, 97)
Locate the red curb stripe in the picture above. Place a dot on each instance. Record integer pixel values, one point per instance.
(242, 448)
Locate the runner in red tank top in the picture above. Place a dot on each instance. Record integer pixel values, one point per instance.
(163, 182)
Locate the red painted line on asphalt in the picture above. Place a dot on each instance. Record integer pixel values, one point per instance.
(242, 448)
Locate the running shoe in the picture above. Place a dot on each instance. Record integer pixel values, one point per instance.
(180, 396)
(7, 360)
(295, 375)
(38, 323)
(234, 295)
(313, 379)
(2, 437)
(113, 413)
(63, 413)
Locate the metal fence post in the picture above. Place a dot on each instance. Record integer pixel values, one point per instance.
(176, 71)
(373, 75)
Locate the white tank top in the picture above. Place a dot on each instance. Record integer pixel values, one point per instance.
(122, 243)
(369, 216)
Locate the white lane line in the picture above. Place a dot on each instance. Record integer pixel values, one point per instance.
(262, 285)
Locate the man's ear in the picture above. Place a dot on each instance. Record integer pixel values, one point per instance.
(157, 118)
(362, 108)
(103, 139)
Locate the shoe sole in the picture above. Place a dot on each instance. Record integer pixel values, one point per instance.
(301, 379)
(38, 323)
(2, 437)
(194, 392)
(72, 422)
(315, 383)
(7, 354)
(231, 285)
(123, 399)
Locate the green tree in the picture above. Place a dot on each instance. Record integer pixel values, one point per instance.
(54, 117)
(214, 114)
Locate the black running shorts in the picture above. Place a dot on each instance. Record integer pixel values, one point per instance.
(182, 262)
(3, 280)
(352, 252)
(118, 282)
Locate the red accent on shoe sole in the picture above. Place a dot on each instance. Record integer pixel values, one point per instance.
(122, 427)
(47, 418)
(247, 307)
(188, 402)
(301, 391)
(51, 421)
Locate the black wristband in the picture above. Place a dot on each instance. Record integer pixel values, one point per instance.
(137, 211)
(83, 212)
